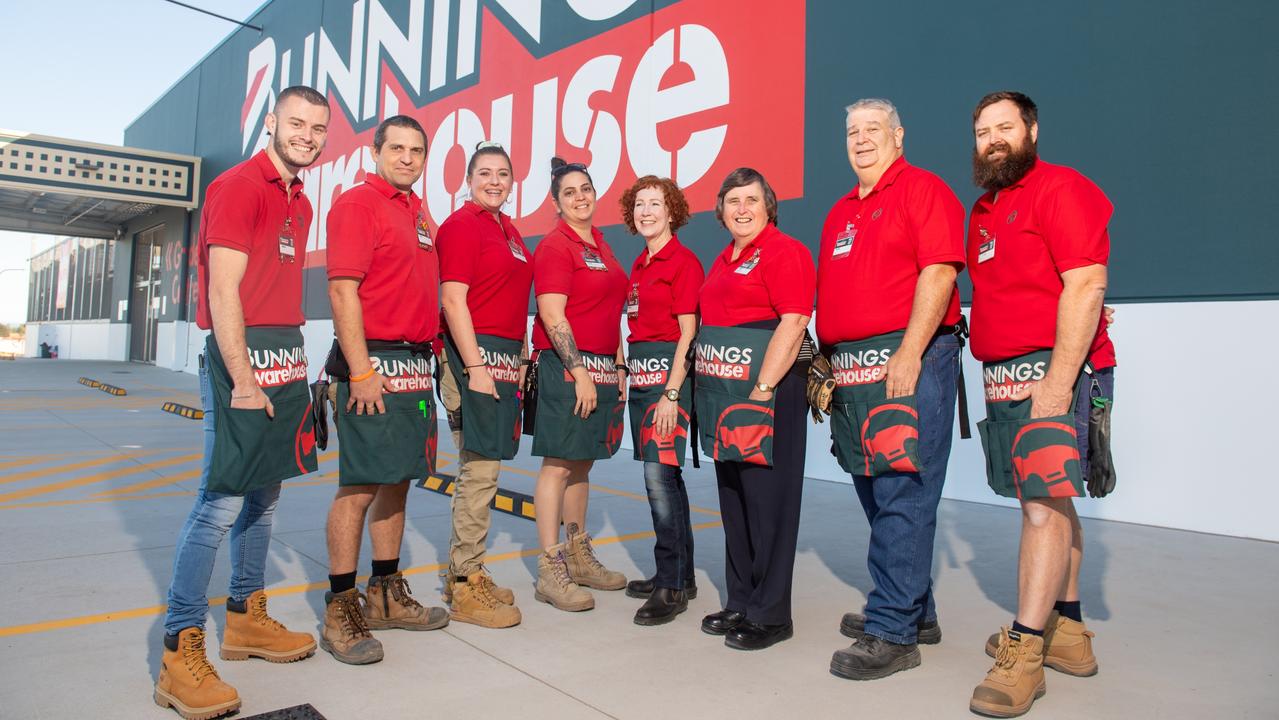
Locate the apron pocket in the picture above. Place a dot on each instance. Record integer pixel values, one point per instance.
(843, 436)
(252, 451)
(1029, 459)
(889, 431)
(390, 447)
(741, 430)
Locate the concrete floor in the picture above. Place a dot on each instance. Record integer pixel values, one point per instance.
(94, 488)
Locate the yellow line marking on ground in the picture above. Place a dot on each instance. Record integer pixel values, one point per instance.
(27, 461)
(154, 610)
(609, 490)
(43, 472)
(96, 477)
(170, 479)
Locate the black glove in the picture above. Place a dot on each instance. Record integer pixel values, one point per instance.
(1101, 466)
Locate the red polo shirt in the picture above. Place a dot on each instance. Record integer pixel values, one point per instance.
(1019, 243)
(662, 287)
(774, 275)
(564, 264)
(379, 236)
(247, 208)
(873, 249)
(489, 256)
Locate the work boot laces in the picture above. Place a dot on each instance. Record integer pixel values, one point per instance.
(588, 554)
(483, 591)
(1006, 656)
(352, 616)
(196, 661)
(399, 589)
(559, 569)
(260, 616)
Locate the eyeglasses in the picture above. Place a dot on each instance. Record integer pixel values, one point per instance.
(486, 144)
(570, 167)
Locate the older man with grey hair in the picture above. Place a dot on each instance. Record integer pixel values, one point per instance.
(888, 316)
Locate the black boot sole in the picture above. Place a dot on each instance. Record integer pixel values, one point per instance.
(662, 620)
(855, 672)
(931, 636)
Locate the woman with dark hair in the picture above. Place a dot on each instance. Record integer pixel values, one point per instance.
(581, 394)
(485, 276)
(751, 406)
(661, 310)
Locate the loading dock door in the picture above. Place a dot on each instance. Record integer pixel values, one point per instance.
(145, 294)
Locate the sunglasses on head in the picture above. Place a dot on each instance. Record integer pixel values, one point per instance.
(570, 167)
(486, 144)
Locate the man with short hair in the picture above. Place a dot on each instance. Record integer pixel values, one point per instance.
(384, 288)
(1037, 251)
(257, 413)
(888, 313)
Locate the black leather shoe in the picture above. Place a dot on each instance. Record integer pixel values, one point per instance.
(871, 658)
(643, 588)
(753, 636)
(661, 607)
(721, 622)
(853, 625)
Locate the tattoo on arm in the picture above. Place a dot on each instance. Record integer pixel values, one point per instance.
(565, 346)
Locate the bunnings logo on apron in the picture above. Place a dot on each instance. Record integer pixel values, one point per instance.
(490, 428)
(735, 428)
(401, 443)
(872, 435)
(559, 433)
(1026, 458)
(650, 367)
(250, 449)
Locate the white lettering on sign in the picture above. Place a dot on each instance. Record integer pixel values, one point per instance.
(1003, 382)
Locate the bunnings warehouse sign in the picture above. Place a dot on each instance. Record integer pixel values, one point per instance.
(690, 91)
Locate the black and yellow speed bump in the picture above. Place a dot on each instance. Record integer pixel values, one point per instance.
(505, 501)
(88, 382)
(111, 389)
(187, 412)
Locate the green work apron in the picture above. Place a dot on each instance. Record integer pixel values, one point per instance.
(251, 450)
(557, 432)
(871, 434)
(650, 366)
(733, 428)
(1027, 458)
(490, 428)
(399, 444)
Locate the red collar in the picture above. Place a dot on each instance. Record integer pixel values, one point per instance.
(770, 230)
(270, 174)
(988, 199)
(567, 230)
(667, 251)
(888, 178)
(389, 191)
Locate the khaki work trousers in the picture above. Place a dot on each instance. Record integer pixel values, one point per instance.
(472, 492)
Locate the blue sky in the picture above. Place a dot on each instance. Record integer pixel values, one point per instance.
(84, 69)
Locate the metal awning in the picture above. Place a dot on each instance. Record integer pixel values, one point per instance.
(71, 187)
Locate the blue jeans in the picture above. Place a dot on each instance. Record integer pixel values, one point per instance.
(248, 517)
(902, 508)
(673, 550)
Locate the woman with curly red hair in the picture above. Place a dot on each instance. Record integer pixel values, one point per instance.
(661, 312)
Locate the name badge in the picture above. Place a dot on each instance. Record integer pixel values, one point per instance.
(424, 240)
(516, 250)
(632, 302)
(844, 242)
(986, 250)
(746, 267)
(593, 260)
(287, 249)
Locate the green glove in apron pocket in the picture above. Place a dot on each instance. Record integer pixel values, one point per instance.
(250, 449)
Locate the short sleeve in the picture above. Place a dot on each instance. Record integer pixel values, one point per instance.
(791, 279)
(350, 246)
(552, 268)
(686, 285)
(457, 257)
(1073, 219)
(937, 220)
(231, 215)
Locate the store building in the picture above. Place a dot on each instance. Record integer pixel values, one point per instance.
(694, 88)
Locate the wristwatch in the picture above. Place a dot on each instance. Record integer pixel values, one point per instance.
(764, 387)
(672, 395)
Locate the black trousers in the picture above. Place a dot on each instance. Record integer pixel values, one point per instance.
(759, 506)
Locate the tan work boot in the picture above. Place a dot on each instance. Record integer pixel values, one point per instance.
(504, 595)
(1017, 679)
(189, 684)
(554, 586)
(475, 602)
(250, 632)
(390, 606)
(584, 567)
(1067, 646)
(345, 635)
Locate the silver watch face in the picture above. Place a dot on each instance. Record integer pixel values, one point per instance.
(672, 394)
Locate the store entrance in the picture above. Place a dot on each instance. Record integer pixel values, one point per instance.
(144, 294)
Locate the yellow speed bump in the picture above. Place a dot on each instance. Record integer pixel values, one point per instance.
(88, 382)
(111, 389)
(187, 412)
(505, 501)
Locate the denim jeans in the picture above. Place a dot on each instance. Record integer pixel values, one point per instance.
(668, 500)
(248, 517)
(902, 508)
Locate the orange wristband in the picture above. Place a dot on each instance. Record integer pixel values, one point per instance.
(363, 377)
